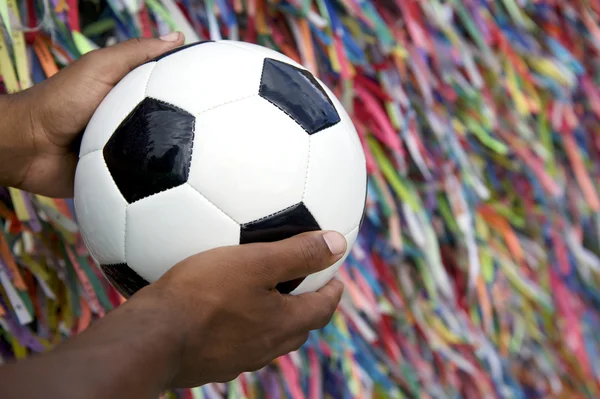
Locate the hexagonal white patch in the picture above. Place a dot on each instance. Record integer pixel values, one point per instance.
(202, 77)
(263, 51)
(336, 183)
(249, 159)
(171, 226)
(100, 210)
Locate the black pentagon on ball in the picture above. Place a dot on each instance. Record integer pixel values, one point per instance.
(289, 222)
(124, 278)
(297, 93)
(151, 150)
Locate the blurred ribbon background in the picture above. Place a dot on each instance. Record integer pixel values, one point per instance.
(477, 270)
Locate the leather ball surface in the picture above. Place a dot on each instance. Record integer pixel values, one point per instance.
(215, 144)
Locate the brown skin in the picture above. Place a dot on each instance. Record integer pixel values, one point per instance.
(48, 119)
(211, 317)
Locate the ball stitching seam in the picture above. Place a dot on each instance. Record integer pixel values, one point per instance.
(149, 77)
(267, 56)
(187, 172)
(270, 215)
(262, 75)
(126, 115)
(169, 104)
(225, 103)
(320, 129)
(229, 43)
(192, 146)
(213, 204)
(126, 206)
(307, 168)
(152, 195)
(287, 113)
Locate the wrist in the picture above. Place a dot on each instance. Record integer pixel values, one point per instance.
(17, 141)
(135, 349)
(167, 333)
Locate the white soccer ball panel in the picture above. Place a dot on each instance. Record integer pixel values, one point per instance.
(100, 210)
(168, 227)
(264, 52)
(317, 280)
(221, 74)
(336, 181)
(250, 159)
(115, 107)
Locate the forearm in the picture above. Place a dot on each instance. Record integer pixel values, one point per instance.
(17, 146)
(131, 353)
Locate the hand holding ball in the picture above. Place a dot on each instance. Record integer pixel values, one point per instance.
(211, 145)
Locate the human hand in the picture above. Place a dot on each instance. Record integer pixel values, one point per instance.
(231, 317)
(53, 114)
(211, 317)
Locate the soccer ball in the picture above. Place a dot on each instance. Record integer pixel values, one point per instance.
(215, 144)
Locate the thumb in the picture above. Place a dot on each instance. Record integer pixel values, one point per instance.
(295, 257)
(114, 62)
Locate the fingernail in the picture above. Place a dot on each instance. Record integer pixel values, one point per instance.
(170, 37)
(336, 242)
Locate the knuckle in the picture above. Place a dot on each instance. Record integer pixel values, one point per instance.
(263, 263)
(311, 251)
(261, 271)
(95, 63)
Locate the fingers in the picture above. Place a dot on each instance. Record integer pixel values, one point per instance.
(114, 62)
(314, 310)
(295, 257)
